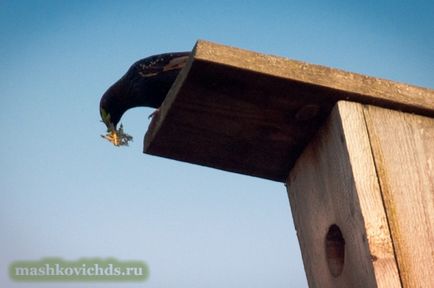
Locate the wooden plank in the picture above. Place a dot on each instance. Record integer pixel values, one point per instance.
(334, 182)
(339, 84)
(253, 114)
(403, 146)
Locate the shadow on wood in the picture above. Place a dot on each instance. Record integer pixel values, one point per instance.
(253, 114)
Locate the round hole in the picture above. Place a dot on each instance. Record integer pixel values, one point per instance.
(335, 250)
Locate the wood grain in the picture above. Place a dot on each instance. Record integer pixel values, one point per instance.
(345, 85)
(251, 113)
(403, 146)
(334, 182)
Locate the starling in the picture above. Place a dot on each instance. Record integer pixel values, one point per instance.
(146, 84)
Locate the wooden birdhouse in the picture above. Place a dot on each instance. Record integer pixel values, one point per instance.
(356, 154)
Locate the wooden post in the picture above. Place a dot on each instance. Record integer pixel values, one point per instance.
(361, 173)
(362, 198)
(403, 149)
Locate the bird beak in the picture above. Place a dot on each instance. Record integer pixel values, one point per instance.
(105, 118)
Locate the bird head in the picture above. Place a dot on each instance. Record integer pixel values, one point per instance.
(111, 112)
(146, 84)
(110, 106)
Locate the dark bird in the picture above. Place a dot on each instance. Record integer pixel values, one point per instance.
(146, 83)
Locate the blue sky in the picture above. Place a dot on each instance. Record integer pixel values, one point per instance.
(65, 192)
